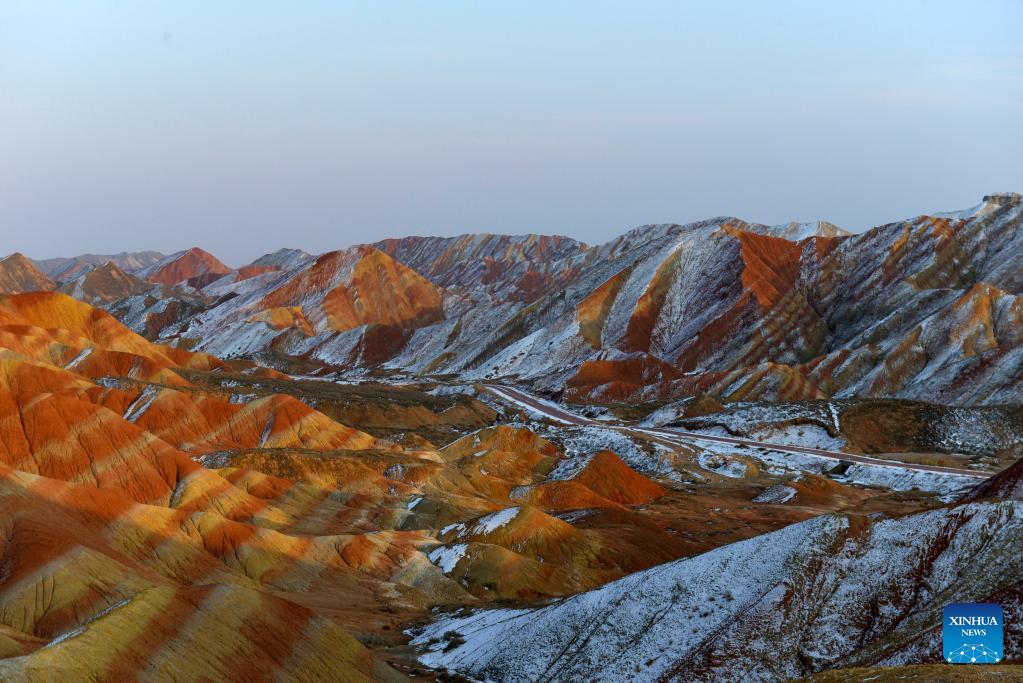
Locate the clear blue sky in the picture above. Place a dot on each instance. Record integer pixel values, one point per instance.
(247, 126)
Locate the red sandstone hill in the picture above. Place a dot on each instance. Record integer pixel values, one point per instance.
(165, 512)
(262, 563)
(193, 267)
(19, 274)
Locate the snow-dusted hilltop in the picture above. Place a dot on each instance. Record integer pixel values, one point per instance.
(193, 267)
(19, 274)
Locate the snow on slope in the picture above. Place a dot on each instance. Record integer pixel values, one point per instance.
(635, 622)
(447, 557)
(925, 308)
(63, 269)
(482, 526)
(579, 443)
(284, 259)
(819, 594)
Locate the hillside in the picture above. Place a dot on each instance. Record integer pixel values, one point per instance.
(64, 269)
(19, 274)
(193, 267)
(316, 444)
(830, 592)
(174, 506)
(102, 284)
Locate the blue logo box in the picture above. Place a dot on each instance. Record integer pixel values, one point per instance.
(972, 633)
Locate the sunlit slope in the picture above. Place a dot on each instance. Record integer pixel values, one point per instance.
(145, 519)
(98, 586)
(124, 555)
(193, 267)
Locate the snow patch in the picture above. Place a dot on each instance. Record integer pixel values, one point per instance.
(716, 462)
(447, 557)
(779, 493)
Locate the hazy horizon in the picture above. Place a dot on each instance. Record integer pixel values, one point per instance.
(244, 129)
(238, 264)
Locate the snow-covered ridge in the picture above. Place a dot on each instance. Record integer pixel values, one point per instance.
(813, 595)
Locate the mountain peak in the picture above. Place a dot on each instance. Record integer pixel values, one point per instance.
(19, 274)
(195, 267)
(989, 204)
(109, 267)
(103, 284)
(1003, 199)
(798, 231)
(284, 258)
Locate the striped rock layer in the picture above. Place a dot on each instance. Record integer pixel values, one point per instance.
(926, 308)
(152, 527)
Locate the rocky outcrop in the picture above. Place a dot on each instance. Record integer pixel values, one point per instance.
(65, 269)
(925, 308)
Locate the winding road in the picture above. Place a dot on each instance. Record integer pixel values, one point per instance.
(558, 413)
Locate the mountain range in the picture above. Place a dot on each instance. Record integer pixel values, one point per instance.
(703, 452)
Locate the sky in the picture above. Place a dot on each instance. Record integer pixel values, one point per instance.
(244, 127)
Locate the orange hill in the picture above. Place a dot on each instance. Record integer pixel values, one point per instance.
(19, 274)
(193, 267)
(147, 556)
(54, 328)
